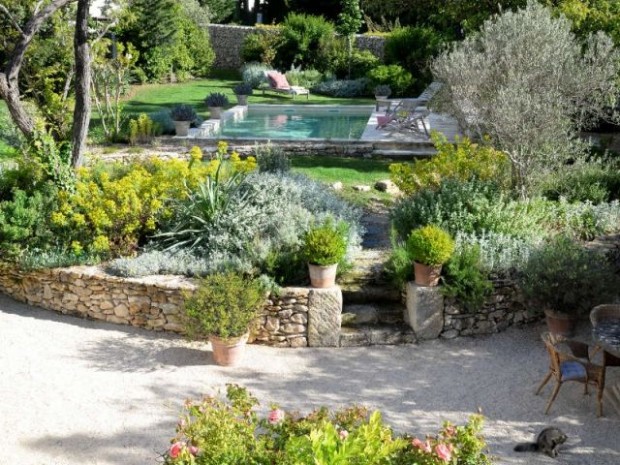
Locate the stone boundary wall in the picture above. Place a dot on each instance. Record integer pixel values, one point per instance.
(298, 317)
(227, 41)
(433, 316)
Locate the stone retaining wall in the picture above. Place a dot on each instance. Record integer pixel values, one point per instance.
(298, 317)
(227, 41)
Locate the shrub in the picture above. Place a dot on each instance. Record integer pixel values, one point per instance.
(216, 430)
(163, 120)
(564, 276)
(223, 305)
(183, 113)
(303, 39)
(216, 99)
(306, 78)
(325, 244)
(430, 245)
(531, 85)
(465, 279)
(261, 46)
(462, 160)
(398, 78)
(254, 74)
(335, 59)
(412, 48)
(383, 91)
(594, 182)
(142, 130)
(345, 88)
(243, 88)
(271, 158)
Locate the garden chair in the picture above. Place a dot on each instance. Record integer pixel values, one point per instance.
(277, 82)
(570, 361)
(405, 117)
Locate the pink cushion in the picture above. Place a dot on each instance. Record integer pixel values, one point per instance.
(278, 80)
(383, 120)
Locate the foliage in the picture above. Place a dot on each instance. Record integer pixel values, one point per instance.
(112, 211)
(349, 22)
(163, 121)
(413, 48)
(430, 245)
(271, 158)
(336, 60)
(343, 88)
(383, 90)
(305, 78)
(325, 244)
(223, 305)
(9, 134)
(142, 130)
(261, 46)
(530, 89)
(54, 158)
(183, 113)
(254, 74)
(243, 89)
(398, 267)
(499, 253)
(231, 431)
(216, 99)
(465, 279)
(303, 39)
(398, 78)
(564, 276)
(596, 182)
(462, 160)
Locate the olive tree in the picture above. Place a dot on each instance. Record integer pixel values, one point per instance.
(530, 85)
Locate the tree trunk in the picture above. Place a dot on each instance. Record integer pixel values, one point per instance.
(81, 114)
(9, 91)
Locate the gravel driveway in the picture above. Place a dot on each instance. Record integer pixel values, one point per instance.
(76, 392)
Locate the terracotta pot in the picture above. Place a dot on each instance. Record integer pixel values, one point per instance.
(228, 352)
(426, 275)
(322, 276)
(215, 112)
(560, 323)
(242, 99)
(182, 128)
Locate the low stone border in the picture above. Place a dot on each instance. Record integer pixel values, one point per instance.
(298, 317)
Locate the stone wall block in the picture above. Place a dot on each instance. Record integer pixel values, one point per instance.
(324, 317)
(425, 307)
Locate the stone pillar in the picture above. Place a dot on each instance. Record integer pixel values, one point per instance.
(424, 311)
(324, 317)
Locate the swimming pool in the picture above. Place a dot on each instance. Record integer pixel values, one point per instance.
(296, 122)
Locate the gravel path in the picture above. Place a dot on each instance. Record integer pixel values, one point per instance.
(81, 392)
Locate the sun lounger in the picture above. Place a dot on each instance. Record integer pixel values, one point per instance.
(277, 82)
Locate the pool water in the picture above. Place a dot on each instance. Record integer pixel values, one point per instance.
(298, 123)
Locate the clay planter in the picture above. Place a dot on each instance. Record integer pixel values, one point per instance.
(228, 352)
(322, 276)
(242, 100)
(215, 112)
(426, 275)
(182, 128)
(560, 324)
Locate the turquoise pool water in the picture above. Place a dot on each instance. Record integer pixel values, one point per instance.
(298, 123)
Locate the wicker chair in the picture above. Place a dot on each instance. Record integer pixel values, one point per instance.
(569, 361)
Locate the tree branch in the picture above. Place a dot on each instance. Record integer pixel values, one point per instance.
(15, 24)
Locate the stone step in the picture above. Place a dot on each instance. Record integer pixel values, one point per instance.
(372, 314)
(376, 335)
(364, 294)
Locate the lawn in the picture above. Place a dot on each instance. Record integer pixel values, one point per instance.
(350, 172)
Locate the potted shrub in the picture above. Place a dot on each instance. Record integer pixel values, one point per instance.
(215, 101)
(429, 248)
(382, 91)
(323, 248)
(242, 91)
(183, 116)
(565, 281)
(222, 309)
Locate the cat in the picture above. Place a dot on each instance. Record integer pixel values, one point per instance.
(547, 442)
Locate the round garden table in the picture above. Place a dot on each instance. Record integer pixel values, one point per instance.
(606, 334)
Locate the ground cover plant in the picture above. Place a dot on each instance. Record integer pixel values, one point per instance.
(233, 430)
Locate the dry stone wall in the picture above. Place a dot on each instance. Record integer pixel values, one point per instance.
(227, 41)
(155, 302)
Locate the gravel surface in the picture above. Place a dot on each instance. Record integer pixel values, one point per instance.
(74, 391)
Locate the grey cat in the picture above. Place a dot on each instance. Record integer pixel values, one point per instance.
(548, 441)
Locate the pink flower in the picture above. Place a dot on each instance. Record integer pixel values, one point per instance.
(175, 449)
(450, 430)
(193, 450)
(443, 452)
(343, 434)
(275, 416)
(424, 446)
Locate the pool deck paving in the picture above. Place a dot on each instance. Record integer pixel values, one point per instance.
(76, 391)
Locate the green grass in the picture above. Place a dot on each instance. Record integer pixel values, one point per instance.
(153, 97)
(6, 151)
(349, 171)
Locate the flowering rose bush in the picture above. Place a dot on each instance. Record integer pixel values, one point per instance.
(230, 431)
